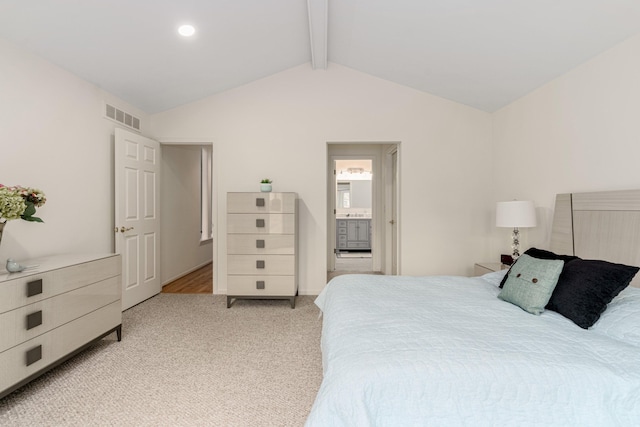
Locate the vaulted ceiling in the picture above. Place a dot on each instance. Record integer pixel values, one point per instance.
(482, 53)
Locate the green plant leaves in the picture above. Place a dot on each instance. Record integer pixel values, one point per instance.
(27, 215)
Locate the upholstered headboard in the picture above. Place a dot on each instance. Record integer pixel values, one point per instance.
(601, 225)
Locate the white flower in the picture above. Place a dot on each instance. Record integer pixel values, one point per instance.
(12, 204)
(20, 202)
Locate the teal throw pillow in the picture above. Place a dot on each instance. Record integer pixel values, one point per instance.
(531, 282)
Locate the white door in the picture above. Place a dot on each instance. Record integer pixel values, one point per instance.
(333, 188)
(394, 212)
(137, 215)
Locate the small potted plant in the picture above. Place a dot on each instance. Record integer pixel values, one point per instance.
(265, 185)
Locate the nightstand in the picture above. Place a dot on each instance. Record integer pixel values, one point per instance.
(487, 267)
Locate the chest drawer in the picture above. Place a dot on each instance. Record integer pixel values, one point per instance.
(262, 285)
(27, 290)
(34, 287)
(261, 202)
(274, 244)
(261, 223)
(31, 356)
(261, 264)
(35, 319)
(261, 246)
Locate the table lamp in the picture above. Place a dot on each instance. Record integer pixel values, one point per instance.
(515, 214)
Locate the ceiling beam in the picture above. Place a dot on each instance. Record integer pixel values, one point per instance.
(318, 17)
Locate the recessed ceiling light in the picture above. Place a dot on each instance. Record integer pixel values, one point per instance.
(186, 30)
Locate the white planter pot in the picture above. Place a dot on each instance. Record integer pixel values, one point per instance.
(265, 188)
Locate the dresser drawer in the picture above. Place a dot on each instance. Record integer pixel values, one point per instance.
(34, 287)
(261, 202)
(261, 246)
(261, 223)
(47, 348)
(88, 272)
(276, 244)
(26, 290)
(282, 265)
(29, 321)
(261, 285)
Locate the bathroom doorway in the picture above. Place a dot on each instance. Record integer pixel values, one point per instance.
(354, 214)
(360, 226)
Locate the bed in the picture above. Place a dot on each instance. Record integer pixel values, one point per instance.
(448, 351)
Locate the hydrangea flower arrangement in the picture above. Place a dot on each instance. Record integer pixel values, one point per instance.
(20, 203)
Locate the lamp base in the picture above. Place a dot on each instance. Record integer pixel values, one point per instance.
(515, 244)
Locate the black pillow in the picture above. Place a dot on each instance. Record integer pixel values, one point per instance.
(542, 254)
(585, 287)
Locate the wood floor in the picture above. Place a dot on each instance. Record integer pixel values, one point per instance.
(196, 282)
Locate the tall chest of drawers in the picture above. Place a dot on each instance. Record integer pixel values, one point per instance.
(50, 312)
(262, 246)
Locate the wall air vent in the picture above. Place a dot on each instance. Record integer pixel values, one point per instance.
(122, 117)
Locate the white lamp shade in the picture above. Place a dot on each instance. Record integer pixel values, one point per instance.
(515, 214)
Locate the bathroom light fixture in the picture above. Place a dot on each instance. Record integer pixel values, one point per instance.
(515, 214)
(186, 30)
(354, 175)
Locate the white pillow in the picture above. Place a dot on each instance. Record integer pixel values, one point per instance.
(495, 277)
(621, 319)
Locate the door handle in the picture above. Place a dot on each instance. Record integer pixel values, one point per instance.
(123, 229)
(393, 221)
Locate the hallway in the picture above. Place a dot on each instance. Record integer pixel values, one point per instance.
(199, 281)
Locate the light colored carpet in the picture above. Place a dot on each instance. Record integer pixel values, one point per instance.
(186, 360)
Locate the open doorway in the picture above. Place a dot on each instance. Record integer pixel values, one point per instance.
(354, 213)
(187, 218)
(362, 190)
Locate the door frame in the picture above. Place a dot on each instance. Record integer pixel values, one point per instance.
(332, 243)
(392, 205)
(214, 195)
(363, 150)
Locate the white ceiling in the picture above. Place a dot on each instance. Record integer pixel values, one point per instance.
(482, 53)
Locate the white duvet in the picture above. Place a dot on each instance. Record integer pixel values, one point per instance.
(445, 351)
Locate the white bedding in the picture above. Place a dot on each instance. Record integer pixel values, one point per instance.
(445, 351)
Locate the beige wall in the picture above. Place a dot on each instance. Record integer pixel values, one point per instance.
(53, 136)
(279, 127)
(577, 133)
(581, 132)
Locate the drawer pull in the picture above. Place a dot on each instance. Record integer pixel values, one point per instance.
(34, 355)
(260, 244)
(34, 288)
(259, 202)
(34, 319)
(260, 223)
(260, 264)
(259, 284)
